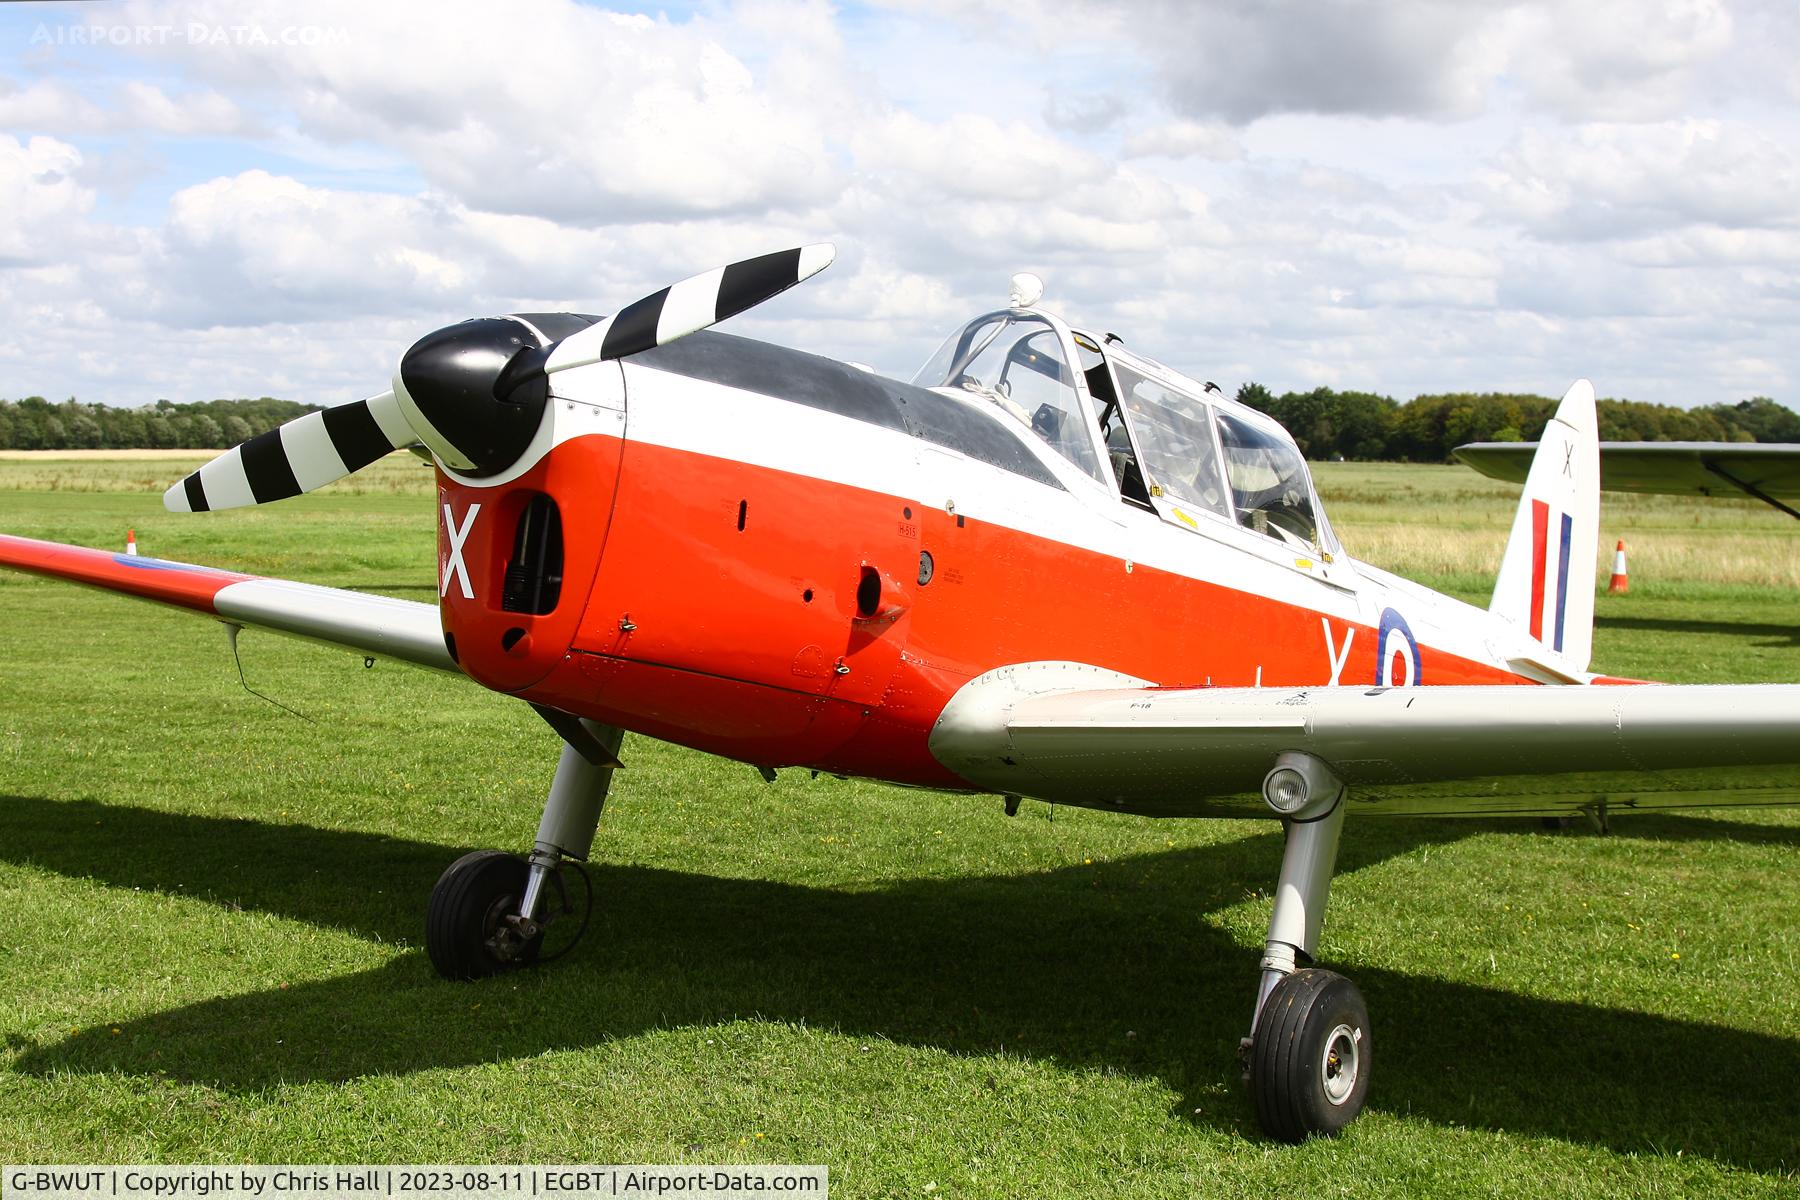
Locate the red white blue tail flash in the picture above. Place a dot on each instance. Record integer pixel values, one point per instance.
(1546, 584)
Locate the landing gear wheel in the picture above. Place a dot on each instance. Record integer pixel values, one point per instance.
(467, 931)
(1309, 1066)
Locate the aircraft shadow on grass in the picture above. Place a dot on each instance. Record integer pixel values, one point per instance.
(1694, 827)
(396, 587)
(1057, 965)
(1780, 635)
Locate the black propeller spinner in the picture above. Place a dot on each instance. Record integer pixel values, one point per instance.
(481, 384)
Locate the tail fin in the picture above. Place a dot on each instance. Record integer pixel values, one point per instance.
(1546, 584)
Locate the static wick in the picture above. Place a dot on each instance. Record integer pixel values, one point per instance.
(231, 635)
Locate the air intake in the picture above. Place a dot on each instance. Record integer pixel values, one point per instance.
(534, 573)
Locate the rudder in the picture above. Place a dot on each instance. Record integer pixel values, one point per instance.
(1546, 584)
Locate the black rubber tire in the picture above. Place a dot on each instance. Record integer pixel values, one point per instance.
(1288, 1062)
(470, 898)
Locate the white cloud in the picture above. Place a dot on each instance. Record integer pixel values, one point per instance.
(320, 206)
(257, 248)
(1616, 59)
(45, 204)
(972, 157)
(135, 106)
(203, 113)
(1764, 61)
(46, 106)
(1612, 181)
(1241, 60)
(1075, 112)
(1708, 246)
(564, 111)
(1186, 139)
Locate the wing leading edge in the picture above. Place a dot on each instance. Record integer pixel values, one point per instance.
(1437, 751)
(377, 625)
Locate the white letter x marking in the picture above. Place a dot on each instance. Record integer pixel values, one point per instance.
(455, 566)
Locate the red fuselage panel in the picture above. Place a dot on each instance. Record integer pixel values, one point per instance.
(778, 618)
(478, 533)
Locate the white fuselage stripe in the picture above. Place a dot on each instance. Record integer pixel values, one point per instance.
(707, 418)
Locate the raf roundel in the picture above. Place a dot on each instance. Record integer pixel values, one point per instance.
(1396, 652)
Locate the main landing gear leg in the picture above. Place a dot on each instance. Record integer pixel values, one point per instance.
(487, 911)
(1307, 1056)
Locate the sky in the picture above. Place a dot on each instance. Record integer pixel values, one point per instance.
(246, 198)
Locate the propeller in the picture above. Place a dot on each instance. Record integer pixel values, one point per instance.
(305, 453)
(475, 393)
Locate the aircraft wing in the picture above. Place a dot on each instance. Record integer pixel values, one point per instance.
(1768, 471)
(376, 625)
(1436, 751)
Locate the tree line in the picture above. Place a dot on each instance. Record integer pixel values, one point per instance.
(1330, 424)
(36, 424)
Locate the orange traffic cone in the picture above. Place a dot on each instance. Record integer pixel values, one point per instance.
(131, 541)
(1619, 583)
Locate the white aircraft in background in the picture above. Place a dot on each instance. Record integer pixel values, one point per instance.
(1766, 471)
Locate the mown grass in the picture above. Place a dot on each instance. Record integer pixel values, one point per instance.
(400, 473)
(214, 944)
(1423, 521)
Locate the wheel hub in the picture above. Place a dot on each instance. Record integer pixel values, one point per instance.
(508, 934)
(1341, 1063)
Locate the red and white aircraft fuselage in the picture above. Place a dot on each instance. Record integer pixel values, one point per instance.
(787, 585)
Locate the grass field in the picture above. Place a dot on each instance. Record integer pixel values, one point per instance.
(213, 951)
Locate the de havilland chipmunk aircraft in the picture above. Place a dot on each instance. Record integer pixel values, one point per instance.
(1047, 567)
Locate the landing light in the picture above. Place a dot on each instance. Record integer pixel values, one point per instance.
(1301, 786)
(1285, 790)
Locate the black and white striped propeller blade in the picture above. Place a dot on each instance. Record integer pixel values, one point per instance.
(306, 453)
(690, 306)
(475, 393)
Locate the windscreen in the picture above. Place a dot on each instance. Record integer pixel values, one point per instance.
(1015, 362)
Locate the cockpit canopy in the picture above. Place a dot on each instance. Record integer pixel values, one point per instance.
(1015, 360)
(1270, 487)
(1169, 444)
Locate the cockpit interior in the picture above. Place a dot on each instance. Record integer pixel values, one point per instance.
(1167, 444)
